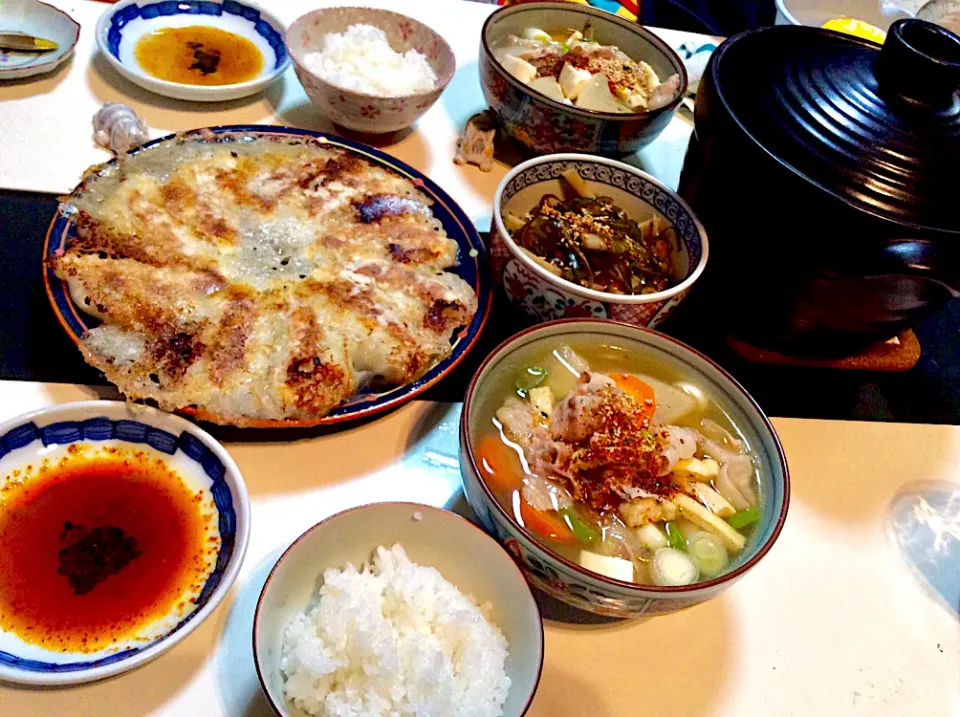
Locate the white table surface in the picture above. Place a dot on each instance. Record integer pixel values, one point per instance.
(832, 622)
(46, 139)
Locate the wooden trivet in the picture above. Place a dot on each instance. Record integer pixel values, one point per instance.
(898, 354)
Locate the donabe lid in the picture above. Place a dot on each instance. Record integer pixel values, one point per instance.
(877, 127)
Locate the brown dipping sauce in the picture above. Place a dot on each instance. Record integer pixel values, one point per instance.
(97, 545)
(198, 55)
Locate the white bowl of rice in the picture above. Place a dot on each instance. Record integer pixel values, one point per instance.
(397, 608)
(369, 70)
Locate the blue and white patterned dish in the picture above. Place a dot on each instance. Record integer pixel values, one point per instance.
(544, 296)
(40, 20)
(473, 269)
(199, 460)
(121, 27)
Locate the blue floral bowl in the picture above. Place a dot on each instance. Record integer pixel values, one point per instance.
(543, 125)
(542, 296)
(566, 580)
(124, 24)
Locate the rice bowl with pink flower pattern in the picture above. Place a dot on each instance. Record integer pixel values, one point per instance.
(354, 92)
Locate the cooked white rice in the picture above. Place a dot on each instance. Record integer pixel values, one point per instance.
(362, 60)
(394, 639)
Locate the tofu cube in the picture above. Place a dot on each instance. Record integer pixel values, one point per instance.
(521, 69)
(596, 96)
(549, 87)
(572, 80)
(616, 568)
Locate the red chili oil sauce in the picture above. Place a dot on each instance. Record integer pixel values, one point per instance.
(96, 545)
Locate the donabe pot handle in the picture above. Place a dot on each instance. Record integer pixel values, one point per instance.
(929, 281)
(920, 63)
(923, 260)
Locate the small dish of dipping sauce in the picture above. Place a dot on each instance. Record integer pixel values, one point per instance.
(121, 529)
(193, 49)
(101, 546)
(198, 55)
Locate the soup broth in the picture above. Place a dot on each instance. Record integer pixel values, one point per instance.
(618, 463)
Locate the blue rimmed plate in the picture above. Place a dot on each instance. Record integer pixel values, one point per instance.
(121, 27)
(473, 268)
(201, 463)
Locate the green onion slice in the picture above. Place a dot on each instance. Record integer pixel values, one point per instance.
(743, 518)
(530, 377)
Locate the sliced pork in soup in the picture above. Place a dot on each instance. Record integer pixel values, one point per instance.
(620, 471)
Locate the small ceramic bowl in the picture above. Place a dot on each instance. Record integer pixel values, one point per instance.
(462, 553)
(40, 20)
(360, 111)
(542, 296)
(122, 25)
(566, 580)
(543, 125)
(945, 13)
(201, 462)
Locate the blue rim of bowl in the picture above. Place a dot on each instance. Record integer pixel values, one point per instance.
(473, 268)
(166, 8)
(762, 550)
(413, 506)
(693, 231)
(102, 428)
(603, 16)
(53, 63)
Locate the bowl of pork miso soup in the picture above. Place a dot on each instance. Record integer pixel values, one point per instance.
(627, 473)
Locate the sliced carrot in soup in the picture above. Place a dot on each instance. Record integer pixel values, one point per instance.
(640, 391)
(547, 524)
(499, 465)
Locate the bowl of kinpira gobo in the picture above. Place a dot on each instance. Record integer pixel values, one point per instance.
(576, 236)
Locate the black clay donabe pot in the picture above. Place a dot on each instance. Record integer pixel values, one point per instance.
(826, 170)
